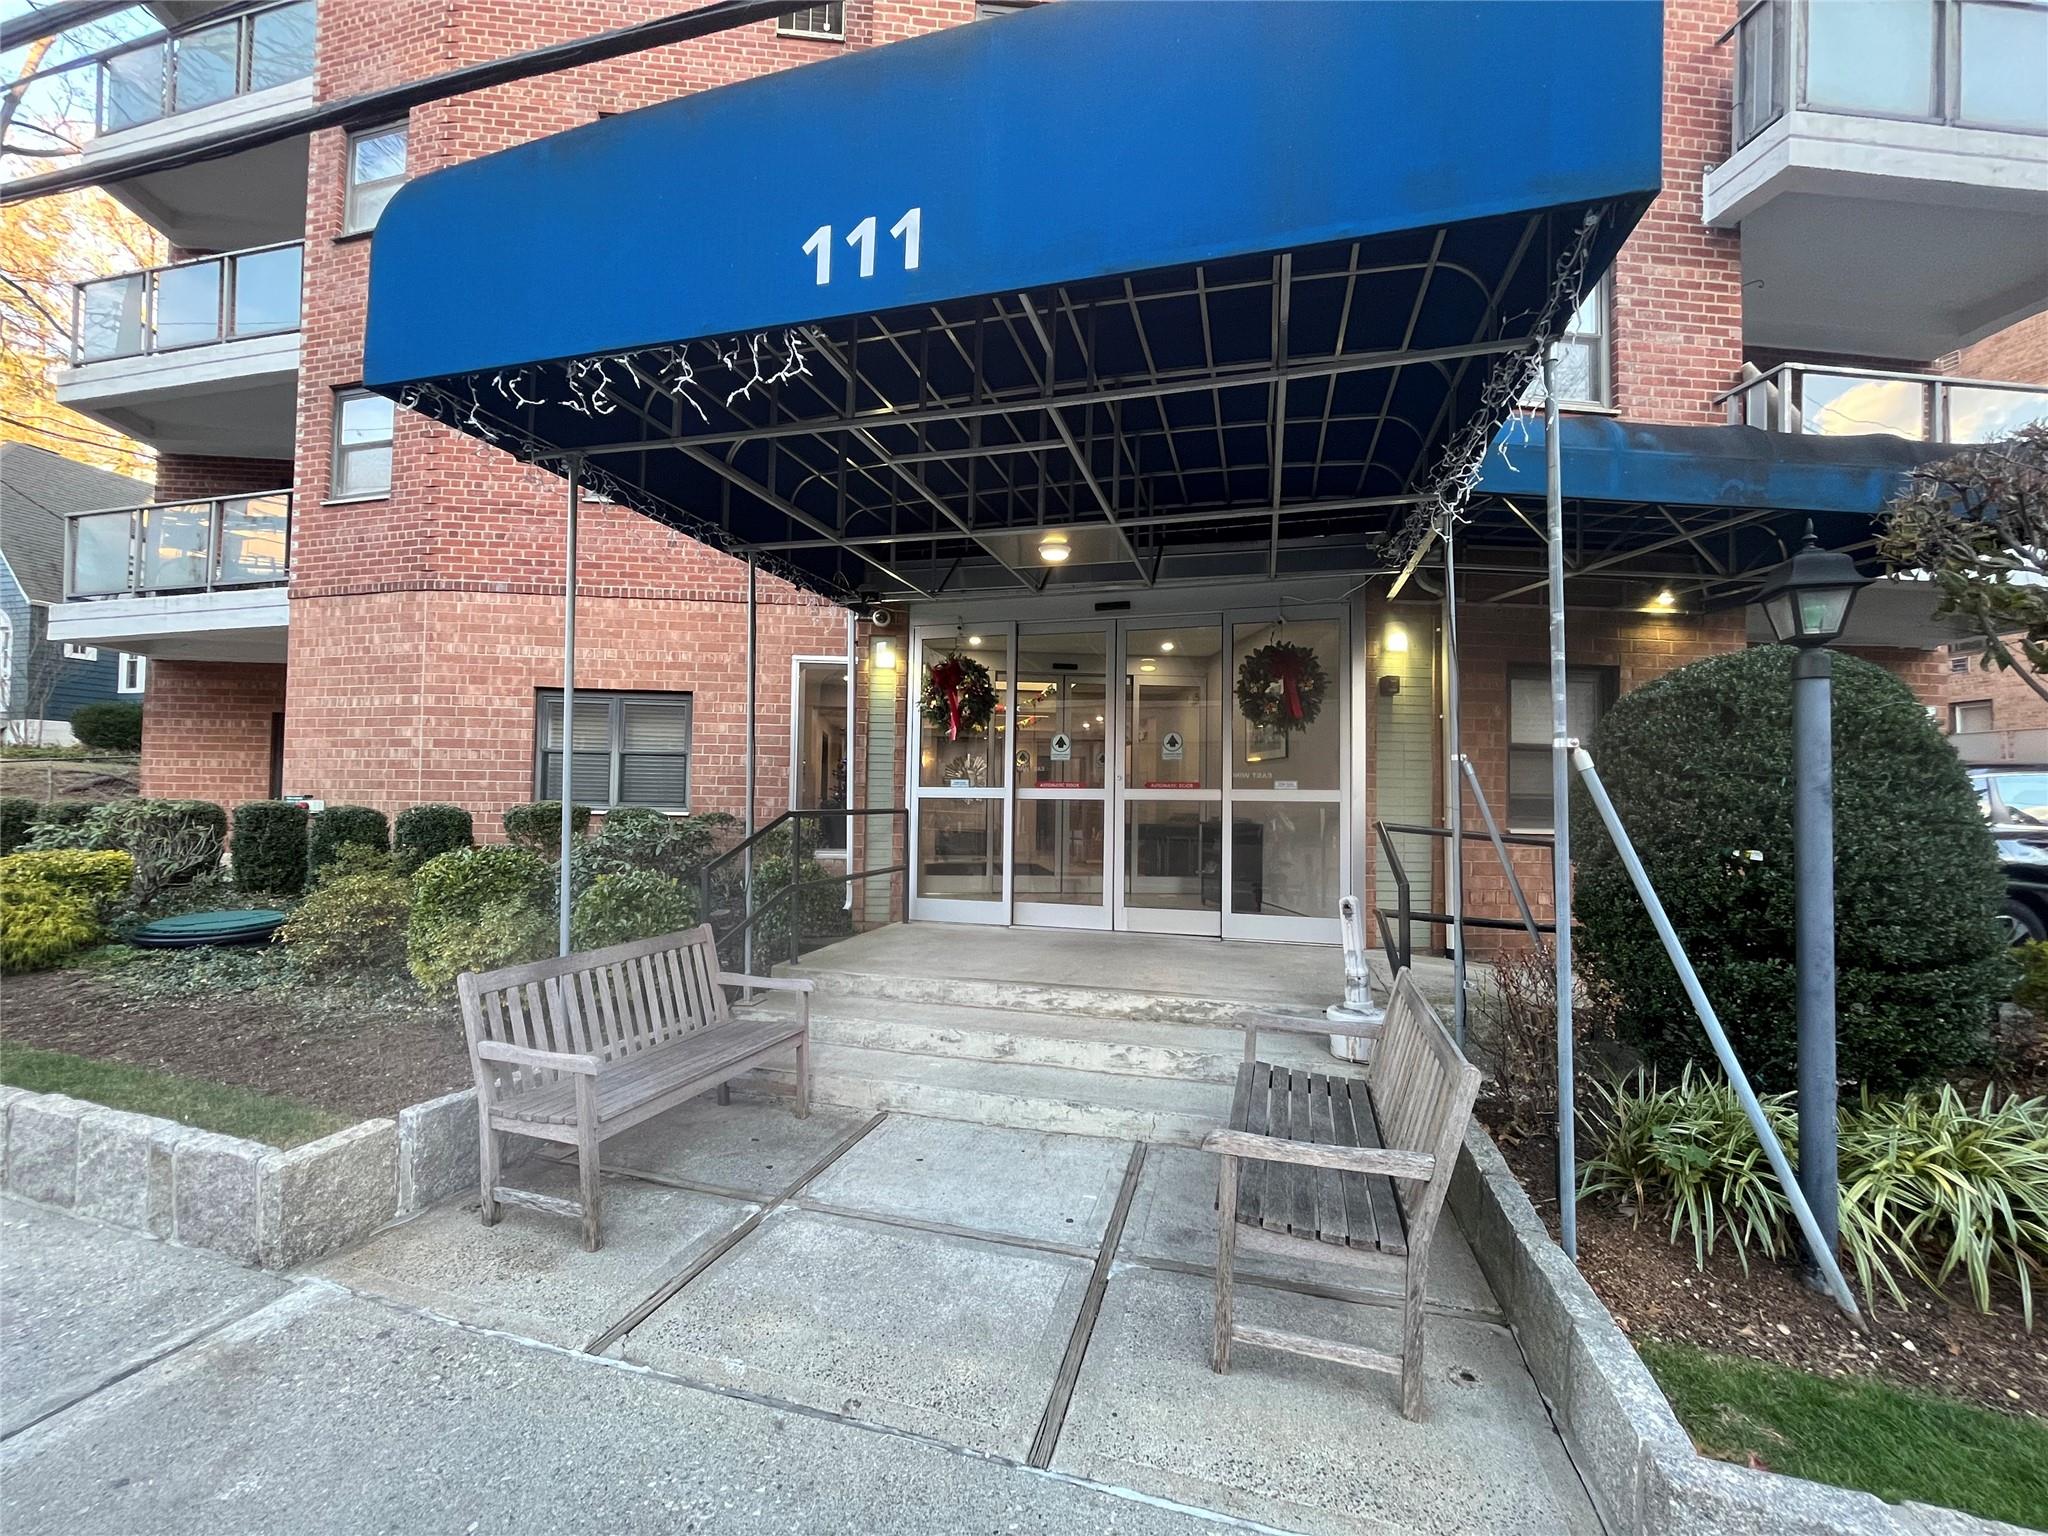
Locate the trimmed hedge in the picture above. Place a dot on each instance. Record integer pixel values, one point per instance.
(538, 825)
(637, 904)
(423, 832)
(17, 815)
(354, 923)
(476, 909)
(108, 725)
(1699, 764)
(270, 846)
(341, 824)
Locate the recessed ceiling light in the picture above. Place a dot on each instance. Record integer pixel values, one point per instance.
(1148, 666)
(1053, 549)
(1165, 645)
(974, 639)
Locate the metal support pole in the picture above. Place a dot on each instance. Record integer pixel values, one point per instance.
(1560, 817)
(852, 672)
(1774, 1153)
(1454, 783)
(1813, 863)
(753, 702)
(562, 900)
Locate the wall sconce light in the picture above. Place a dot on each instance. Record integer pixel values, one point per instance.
(1053, 549)
(885, 656)
(1665, 601)
(1396, 640)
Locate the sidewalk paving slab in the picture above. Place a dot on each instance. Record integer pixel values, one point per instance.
(330, 1415)
(944, 1336)
(755, 1148)
(529, 1274)
(1307, 1444)
(80, 1303)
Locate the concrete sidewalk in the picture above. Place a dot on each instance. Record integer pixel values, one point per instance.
(892, 1325)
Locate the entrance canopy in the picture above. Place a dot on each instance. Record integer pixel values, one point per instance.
(1214, 290)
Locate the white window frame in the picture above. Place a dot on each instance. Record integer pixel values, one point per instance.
(1599, 338)
(337, 489)
(795, 23)
(1609, 681)
(610, 702)
(134, 676)
(80, 652)
(1955, 717)
(363, 201)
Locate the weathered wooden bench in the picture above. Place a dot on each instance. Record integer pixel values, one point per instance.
(579, 1048)
(1347, 1169)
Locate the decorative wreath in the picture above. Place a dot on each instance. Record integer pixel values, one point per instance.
(1280, 687)
(959, 695)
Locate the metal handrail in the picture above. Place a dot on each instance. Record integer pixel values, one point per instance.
(1397, 923)
(226, 293)
(752, 912)
(167, 42)
(1775, 399)
(136, 549)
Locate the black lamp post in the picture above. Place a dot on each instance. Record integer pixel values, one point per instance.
(1807, 602)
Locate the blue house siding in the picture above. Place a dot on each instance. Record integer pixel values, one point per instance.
(14, 604)
(83, 682)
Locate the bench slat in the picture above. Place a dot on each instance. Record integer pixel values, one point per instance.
(1361, 1224)
(1251, 1189)
(1331, 1226)
(1386, 1204)
(650, 1073)
(1300, 1107)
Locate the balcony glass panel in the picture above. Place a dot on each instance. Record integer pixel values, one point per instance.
(204, 66)
(281, 47)
(2004, 70)
(188, 304)
(1979, 414)
(110, 317)
(99, 554)
(1841, 405)
(132, 88)
(1871, 56)
(176, 546)
(267, 291)
(254, 531)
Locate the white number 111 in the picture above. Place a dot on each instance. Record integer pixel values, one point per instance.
(909, 229)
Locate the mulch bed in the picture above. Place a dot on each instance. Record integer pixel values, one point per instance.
(357, 1054)
(1936, 1345)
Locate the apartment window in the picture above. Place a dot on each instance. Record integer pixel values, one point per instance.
(1969, 717)
(362, 445)
(1582, 356)
(814, 21)
(134, 672)
(81, 653)
(631, 749)
(376, 169)
(1588, 693)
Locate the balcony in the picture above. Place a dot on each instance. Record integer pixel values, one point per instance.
(195, 357)
(1852, 402)
(1889, 172)
(241, 70)
(188, 581)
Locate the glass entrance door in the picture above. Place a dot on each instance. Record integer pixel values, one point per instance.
(1170, 781)
(960, 785)
(1062, 739)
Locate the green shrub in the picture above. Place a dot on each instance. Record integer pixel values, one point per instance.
(476, 909)
(423, 832)
(2031, 991)
(618, 909)
(65, 813)
(17, 815)
(354, 922)
(109, 725)
(538, 826)
(341, 825)
(1699, 764)
(98, 878)
(674, 846)
(270, 846)
(171, 841)
(41, 923)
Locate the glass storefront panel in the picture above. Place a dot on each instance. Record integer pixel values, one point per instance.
(1291, 735)
(960, 850)
(1062, 710)
(1286, 859)
(1173, 855)
(1173, 693)
(969, 757)
(821, 749)
(1059, 851)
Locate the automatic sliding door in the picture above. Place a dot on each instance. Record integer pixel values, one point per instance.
(960, 787)
(1060, 851)
(1171, 784)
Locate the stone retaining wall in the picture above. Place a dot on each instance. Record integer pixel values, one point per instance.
(1634, 1455)
(244, 1199)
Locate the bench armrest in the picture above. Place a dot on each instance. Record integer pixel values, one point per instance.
(526, 1056)
(768, 983)
(1418, 1166)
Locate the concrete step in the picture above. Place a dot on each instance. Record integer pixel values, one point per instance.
(1082, 1042)
(1006, 1093)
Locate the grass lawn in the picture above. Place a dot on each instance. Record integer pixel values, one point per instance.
(209, 1106)
(1858, 1434)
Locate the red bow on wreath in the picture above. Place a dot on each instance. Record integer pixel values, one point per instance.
(947, 677)
(1287, 667)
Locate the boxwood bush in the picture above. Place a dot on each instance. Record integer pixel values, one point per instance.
(637, 904)
(423, 832)
(270, 847)
(52, 903)
(538, 826)
(108, 725)
(343, 824)
(476, 909)
(1699, 764)
(355, 922)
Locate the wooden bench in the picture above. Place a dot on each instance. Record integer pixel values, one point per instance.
(1349, 1169)
(582, 1047)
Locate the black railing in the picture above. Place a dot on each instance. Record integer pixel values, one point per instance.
(1397, 923)
(735, 913)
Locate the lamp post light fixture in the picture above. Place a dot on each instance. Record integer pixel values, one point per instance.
(1806, 601)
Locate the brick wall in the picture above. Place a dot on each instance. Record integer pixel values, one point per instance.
(182, 476)
(206, 730)
(2019, 353)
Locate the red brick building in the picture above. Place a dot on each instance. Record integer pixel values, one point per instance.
(404, 646)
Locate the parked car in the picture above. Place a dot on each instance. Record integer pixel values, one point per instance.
(2015, 802)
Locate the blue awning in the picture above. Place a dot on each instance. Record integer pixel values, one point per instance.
(1177, 278)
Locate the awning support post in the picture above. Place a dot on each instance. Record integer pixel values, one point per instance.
(574, 466)
(1560, 820)
(1454, 752)
(753, 701)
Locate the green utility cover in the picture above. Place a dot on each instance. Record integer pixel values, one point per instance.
(252, 926)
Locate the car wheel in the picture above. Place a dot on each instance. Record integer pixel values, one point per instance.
(2021, 922)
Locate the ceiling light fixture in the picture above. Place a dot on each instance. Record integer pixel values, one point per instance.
(1053, 549)
(974, 639)
(1148, 666)
(1165, 645)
